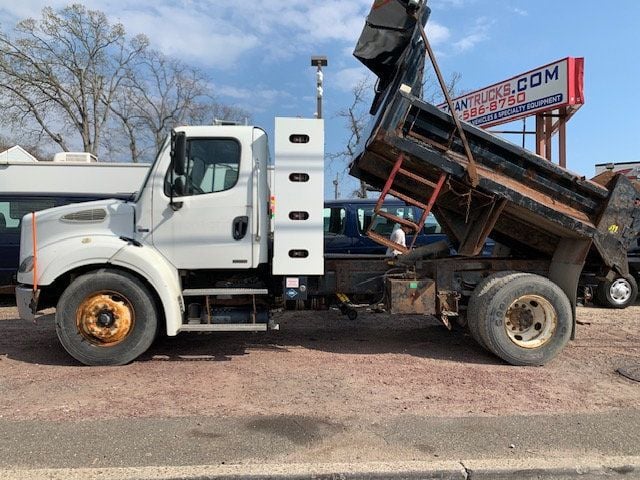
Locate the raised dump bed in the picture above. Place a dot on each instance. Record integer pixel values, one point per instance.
(548, 222)
(522, 200)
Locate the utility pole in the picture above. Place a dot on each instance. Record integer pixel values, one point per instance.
(336, 184)
(319, 62)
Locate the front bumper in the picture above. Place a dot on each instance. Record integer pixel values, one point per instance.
(27, 301)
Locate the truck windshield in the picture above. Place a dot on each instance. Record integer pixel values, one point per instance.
(151, 170)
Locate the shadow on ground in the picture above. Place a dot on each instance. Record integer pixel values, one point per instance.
(323, 331)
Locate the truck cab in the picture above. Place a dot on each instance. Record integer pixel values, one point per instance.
(119, 271)
(216, 199)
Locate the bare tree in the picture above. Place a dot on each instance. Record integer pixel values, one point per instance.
(128, 124)
(61, 73)
(161, 93)
(356, 116)
(73, 78)
(431, 91)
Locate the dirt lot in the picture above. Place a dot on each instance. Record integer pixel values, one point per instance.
(318, 363)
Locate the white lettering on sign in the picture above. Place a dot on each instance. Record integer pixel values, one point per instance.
(554, 86)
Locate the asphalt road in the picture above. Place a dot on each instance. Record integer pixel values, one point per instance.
(286, 439)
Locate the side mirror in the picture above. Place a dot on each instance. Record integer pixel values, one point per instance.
(177, 190)
(178, 187)
(179, 152)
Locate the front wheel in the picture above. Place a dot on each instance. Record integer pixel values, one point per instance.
(527, 320)
(106, 317)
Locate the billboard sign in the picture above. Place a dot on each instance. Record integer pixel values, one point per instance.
(628, 169)
(557, 85)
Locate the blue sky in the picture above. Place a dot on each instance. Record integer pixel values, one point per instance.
(257, 54)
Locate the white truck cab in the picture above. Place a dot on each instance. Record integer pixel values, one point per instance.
(192, 252)
(216, 215)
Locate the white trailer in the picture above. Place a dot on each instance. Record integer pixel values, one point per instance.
(31, 186)
(96, 178)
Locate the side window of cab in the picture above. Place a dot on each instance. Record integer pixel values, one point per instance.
(213, 165)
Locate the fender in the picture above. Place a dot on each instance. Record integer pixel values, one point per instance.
(59, 257)
(162, 276)
(76, 252)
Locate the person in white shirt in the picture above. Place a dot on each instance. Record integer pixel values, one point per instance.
(398, 236)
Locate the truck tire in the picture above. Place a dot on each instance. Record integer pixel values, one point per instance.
(106, 317)
(526, 320)
(478, 302)
(620, 293)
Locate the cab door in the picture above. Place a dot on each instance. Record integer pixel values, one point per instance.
(210, 224)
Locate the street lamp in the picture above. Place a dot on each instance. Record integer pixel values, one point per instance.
(319, 62)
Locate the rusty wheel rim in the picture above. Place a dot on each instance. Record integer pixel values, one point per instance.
(531, 321)
(105, 318)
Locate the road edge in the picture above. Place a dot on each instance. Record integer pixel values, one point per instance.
(560, 468)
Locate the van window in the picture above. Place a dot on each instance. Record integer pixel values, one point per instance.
(12, 211)
(334, 220)
(432, 226)
(384, 226)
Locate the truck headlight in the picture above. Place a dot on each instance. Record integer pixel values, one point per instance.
(26, 265)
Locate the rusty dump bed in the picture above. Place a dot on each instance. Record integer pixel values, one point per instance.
(521, 200)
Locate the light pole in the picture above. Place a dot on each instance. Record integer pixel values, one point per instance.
(319, 62)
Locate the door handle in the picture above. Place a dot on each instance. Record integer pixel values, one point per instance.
(240, 227)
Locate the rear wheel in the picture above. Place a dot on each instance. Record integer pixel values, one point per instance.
(527, 320)
(106, 317)
(478, 302)
(619, 293)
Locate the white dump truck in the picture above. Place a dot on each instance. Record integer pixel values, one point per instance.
(193, 251)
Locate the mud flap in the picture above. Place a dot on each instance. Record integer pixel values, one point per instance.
(566, 268)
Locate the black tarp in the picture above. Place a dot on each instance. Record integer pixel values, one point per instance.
(388, 31)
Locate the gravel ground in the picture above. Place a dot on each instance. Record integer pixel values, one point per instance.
(319, 363)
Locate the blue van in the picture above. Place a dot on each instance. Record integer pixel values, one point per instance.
(347, 221)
